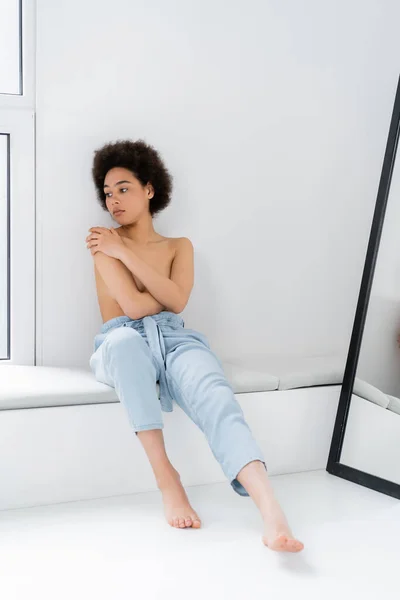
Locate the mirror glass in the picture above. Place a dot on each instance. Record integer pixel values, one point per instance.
(372, 437)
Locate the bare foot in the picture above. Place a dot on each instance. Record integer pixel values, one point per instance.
(177, 508)
(282, 540)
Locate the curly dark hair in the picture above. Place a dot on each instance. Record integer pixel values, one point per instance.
(143, 161)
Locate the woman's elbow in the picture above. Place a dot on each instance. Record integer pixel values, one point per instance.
(133, 310)
(179, 305)
(143, 305)
(134, 314)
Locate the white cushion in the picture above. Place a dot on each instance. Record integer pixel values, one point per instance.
(307, 372)
(369, 392)
(300, 372)
(317, 371)
(394, 404)
(35, 387)
(243, 379)
(32, 387)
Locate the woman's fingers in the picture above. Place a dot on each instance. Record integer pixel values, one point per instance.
(99, 229)
(92, 236)
(93, 239)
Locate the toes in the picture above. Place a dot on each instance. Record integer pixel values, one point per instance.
(280, 543)
(283, 544)
(294, 546)
(196, 522)
(191, 520)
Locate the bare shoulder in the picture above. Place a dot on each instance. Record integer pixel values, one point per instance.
(181, 245)
(182, 267)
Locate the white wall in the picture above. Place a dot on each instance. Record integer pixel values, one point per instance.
(379, 362)
(273, 118)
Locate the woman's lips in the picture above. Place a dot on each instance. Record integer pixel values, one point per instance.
(118, 212)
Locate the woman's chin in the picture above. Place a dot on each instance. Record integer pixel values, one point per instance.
(122, 218)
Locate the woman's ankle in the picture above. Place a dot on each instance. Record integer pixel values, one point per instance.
(168, 476)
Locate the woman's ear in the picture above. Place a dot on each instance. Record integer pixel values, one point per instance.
(150, 191)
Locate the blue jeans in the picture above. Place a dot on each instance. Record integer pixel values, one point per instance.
(132, 355)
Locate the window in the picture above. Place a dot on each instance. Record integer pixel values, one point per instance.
(10, 47)
(17, 191)
(4, 251)
(17, 237)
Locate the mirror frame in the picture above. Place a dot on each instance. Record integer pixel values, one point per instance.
(334, 466)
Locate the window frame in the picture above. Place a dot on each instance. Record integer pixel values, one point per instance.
(17, 119)
(21, 230)
(26, 97)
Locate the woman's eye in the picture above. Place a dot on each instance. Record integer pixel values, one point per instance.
(123, 190)
(108, 194)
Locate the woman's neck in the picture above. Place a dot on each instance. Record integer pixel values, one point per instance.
(142, 232)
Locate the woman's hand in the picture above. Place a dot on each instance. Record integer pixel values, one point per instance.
(105, 240)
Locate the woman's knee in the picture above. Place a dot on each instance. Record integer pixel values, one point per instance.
(126, 340)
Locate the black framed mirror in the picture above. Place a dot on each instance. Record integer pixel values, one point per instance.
(365, 447)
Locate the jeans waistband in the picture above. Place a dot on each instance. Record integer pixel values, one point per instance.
(163, 318)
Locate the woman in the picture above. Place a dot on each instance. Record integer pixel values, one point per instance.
(143, 282)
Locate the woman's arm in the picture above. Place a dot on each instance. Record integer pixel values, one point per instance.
(172, 293)
(113, 279)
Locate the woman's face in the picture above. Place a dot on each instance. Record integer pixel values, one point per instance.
(124, 192)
